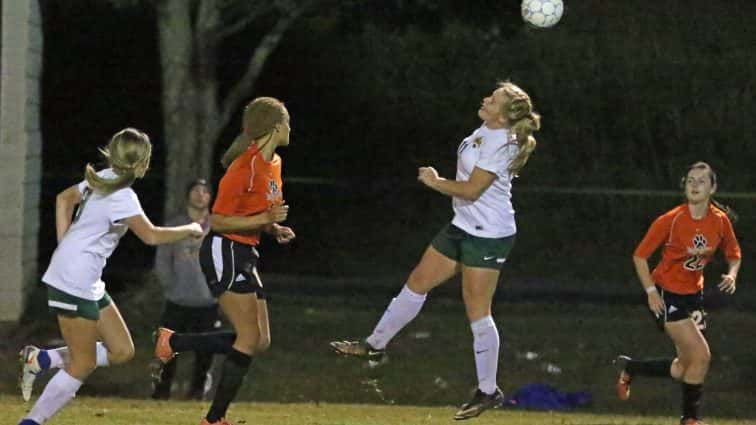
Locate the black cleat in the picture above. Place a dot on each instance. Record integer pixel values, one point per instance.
(159, 390)
(374, 356)
(479, 403)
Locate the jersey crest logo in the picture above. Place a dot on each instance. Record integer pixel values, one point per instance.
(697, 259)
(274, 193)
(700, 245)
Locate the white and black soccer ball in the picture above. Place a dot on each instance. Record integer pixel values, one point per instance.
(542, 13)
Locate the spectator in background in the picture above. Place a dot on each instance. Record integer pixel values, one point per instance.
(689, 235)
(189, 305)
(477, 241)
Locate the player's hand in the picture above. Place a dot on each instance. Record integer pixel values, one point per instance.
(278, 213)
(427, 175)
(655, 303)
(727, 284)
(195, 230)
(284, 234)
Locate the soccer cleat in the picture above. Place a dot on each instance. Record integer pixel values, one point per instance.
(30, 368)
(691, 421)
(624, 379)
(221, 421)
(28, 422)
(159, 392)
(479, 403)
(375, 357)
(163, 350)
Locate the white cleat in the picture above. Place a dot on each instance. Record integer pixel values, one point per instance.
(29, 370)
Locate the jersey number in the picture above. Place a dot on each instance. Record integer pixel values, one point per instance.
(84, 198)
(699, 318)
(694, 263)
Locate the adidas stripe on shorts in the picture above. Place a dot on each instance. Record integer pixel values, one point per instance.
(229, 266)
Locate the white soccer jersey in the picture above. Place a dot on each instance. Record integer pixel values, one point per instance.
(492, 215)
(77, 263)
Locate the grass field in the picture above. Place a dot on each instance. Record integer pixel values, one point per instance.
(118, 411)
(299, 381)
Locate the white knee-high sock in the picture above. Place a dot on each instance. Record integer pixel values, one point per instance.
(59, 357)
(486, 346)
(399, 312)
(56, 357)
(59, 391)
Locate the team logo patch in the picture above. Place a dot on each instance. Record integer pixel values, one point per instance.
(274, 192)
(700, 245)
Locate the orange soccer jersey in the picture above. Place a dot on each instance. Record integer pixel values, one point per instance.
(688, 247)
(250, 186)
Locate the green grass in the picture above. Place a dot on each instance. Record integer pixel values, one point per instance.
(300, 381)
(119, 411)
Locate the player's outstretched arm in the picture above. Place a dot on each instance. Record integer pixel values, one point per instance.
(155, 235)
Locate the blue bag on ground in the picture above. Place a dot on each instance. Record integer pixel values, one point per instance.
(546, 397)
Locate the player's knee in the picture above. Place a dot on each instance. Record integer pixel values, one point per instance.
(81, 368)
(262, 344)
(247, 342)
(246, 347)
(702, 358)
(419, 282)
(121, 354)
(677, 370)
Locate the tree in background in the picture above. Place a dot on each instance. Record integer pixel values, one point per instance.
(197, 105)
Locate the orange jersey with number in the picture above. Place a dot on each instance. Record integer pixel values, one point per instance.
(250, 186)
(688, 246)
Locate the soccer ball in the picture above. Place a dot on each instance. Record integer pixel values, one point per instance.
(542, 13)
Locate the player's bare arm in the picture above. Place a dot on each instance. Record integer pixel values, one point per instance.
(469, 190)
(65, 203)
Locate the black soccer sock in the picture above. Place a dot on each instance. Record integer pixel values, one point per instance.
(234, 370)
(163, 388)
(692, 395)
(650, 367)
(218, 342)
(202, 364)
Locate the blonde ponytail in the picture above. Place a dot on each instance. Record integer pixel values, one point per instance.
(107, 186)
(260, 118)
(238, 146)
(523, 130)
(128, 154)
(523, 123)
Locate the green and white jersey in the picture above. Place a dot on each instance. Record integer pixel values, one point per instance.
(492, 215)
(77, 263)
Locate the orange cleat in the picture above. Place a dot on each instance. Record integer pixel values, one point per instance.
(222, 421)
(163, 350)
(623, 385)
(691, 421)
(624, 380)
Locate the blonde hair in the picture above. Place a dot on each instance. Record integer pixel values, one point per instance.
(260, 118)
(523, 123)
(127, 152)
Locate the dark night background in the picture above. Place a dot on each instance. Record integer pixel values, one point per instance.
(630, 93)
